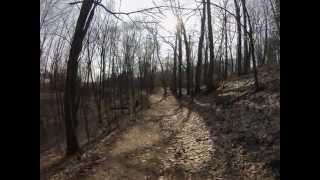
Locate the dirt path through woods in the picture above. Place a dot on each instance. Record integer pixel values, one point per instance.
(200, 140)
(169, 142)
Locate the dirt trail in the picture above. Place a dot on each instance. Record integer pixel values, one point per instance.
(175, 140)
(200, 140)
(172, 140)
(168, 142)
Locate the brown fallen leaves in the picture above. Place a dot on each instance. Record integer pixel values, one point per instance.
(200, 140)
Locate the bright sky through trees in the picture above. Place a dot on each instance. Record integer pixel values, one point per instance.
(168, 23)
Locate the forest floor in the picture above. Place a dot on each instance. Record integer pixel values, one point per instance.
(232, 134)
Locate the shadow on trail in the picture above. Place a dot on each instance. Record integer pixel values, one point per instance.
(221, 129)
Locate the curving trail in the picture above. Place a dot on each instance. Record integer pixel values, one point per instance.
(169, 141)
(203, 139)
(180, 140)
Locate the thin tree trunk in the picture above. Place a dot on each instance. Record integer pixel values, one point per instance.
(265, 52)
(200, 45)
(205, 73)
(174, 85)
(231, 58)
(187, 48)
(225, 46)
(239, 55)
(245, 41)
(163, 79)
(210, 83)
(180, 61)
(252, 50)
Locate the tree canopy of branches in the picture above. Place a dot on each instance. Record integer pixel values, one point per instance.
(92, 53)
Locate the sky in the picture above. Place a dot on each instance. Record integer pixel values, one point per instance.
(168, 23)
(130, 5)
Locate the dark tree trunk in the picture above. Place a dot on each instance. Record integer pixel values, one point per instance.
(256, 82)
(70, 93)
(231, 58)
(245, 41)
(239, 55)
(180, 61)
(219, 55)
(187, 47)
(174, 73)
(200, 45)
(163, 75)
(225, 46)
(265, 52)
(209, 83)
(205, 79)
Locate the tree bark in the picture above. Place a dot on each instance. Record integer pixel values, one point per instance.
(187, 48)
(210, 84)
(239, 54)
(180, 61)
(256, 82)
(225, 46)
(245, 41)
(174, 73)
(205, 73)
(70, 92)
(200, 45)
(276, 13)
(265, 39)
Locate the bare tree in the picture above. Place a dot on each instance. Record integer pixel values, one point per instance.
(210, 83)
(70, 94)
(239, 56)
(252, 48)
(206, 63)
(163, 75)
(179, 60)
(246, 59)
(265, 35)
(174, 71)
(187, 50)
(225, 20)
(200, 47)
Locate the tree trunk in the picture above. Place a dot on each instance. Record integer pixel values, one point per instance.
(225, 46)
(180, 61)
(231, 58)
(239, 55)
(205, 73)
(256, 82)
(265, 41)
(276, 13)
(70, 97)
(245, 41)
(174, 73)
(163, 75)
(199, 63)
(187, 47)
(210, 84)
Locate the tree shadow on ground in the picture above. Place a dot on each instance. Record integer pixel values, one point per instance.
(220, 128)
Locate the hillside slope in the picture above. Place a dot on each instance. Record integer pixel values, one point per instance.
(231, 134)
(248, 122)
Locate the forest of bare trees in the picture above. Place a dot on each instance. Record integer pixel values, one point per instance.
(100, 64)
